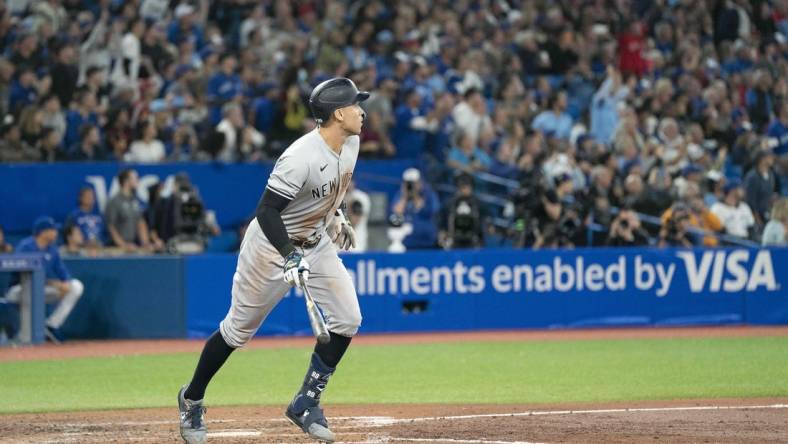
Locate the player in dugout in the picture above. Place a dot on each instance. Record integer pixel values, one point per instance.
(59, 287)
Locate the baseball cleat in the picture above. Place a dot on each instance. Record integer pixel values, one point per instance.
(192, 423)
(53, 335)
(312, 422)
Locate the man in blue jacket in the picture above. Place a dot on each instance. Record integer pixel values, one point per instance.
(60, 286)
(417, 204)
(223, 87)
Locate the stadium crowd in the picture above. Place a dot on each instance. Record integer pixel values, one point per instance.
(584, 113)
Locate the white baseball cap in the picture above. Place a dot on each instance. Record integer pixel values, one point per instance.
(183, 10)
(411, 175)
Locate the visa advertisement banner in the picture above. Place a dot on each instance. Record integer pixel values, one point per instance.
(712, 271)
(501, 289)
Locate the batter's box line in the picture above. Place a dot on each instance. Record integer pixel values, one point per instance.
(389, 439)
(582, 412)
(122, 423)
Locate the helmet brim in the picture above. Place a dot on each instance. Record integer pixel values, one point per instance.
(362, 96)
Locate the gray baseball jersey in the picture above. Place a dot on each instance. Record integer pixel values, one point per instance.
(316, 179)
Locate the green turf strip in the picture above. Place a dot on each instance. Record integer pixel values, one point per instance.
(477, 372)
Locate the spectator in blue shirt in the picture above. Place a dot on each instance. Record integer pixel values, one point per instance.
(439, 142)
(554, 121)
(23, 91)
(265, 109)
(60, 286)
(467, 157)
(416, 204)
(223, 87)
(89, 221)
(84, 112)
(184, 27)
(409, 134)
(604, 107)
(759, 100)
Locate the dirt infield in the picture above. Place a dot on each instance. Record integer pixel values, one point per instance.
(762, 420)
(712, 421)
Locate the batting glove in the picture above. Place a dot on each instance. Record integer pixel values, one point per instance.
(345, 237)
(296, 269)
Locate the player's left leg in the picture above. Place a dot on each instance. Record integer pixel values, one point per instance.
(333, 291)
(257, 287)
(63, 309)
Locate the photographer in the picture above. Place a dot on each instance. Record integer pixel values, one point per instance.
(358, 206)
(548, 216)
(463, 224)
(567, 230)
(182, 222)
(626, 231)
(674, 231)
(416, 204)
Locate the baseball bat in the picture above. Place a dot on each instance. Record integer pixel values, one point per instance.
(315, 318)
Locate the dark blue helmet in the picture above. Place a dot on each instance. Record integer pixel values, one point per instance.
(333, 94)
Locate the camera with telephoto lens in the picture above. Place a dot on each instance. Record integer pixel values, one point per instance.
(189, 209)
(567, 226)
(465, 223)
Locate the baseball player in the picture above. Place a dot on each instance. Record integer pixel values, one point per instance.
(299, 226)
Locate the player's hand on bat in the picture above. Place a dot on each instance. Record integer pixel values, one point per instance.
(296, 269)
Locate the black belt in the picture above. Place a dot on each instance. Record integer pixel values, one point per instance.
(306, 243)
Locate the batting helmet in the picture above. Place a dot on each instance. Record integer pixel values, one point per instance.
(333, 94)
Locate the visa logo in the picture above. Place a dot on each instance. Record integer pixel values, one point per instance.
(729, 270)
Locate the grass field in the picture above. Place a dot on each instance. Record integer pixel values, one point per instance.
(473, 372)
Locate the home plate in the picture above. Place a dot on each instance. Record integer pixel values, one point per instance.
(234, 433)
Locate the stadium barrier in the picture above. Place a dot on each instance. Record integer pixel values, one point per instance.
(231, 190)
(455, 290)
(128, 297)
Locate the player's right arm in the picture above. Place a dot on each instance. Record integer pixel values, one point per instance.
(286, 181)
(269, 216)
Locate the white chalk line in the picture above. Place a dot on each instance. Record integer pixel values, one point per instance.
(238, 433)
(381, 421)
(131, 423)
(461, 441)
(593, 411)
(361, 419)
